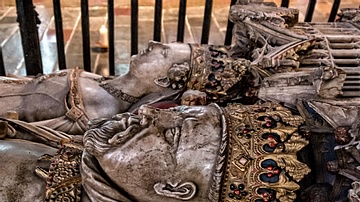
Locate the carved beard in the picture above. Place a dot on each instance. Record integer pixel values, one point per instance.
(96, 141)
(106, 134)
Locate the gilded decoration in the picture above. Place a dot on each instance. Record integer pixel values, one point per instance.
(214, 72)
(262, 162)
(63, 180)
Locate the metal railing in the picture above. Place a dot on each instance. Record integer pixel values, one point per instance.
(30, 38)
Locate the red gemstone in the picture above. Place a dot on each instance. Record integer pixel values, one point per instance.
(269, 167)
(270, 137)
(245, 131)
(265, 194)
(268, 124)
(272, 144)
(276, 171)
(269, 174)
(237, 192)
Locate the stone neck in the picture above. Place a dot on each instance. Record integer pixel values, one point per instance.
(121, 89)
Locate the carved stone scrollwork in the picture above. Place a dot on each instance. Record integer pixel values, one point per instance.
(264, 29)
(272, 39)
(349, 14)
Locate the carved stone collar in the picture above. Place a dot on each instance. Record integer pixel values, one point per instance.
(119, 94)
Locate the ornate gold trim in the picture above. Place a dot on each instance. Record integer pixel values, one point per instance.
(64, 178)
(75, 111)
(119, 94)
(262, 163)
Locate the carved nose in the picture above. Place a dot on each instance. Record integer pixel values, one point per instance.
(133, 57)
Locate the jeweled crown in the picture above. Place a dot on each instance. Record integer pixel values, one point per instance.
(213, 71)
(262, 163)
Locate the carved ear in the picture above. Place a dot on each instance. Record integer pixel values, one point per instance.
(183, 191)
(162, 81)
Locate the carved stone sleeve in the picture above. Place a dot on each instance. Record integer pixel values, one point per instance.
(96, 185)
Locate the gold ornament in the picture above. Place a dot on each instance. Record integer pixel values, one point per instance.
(214, 72)
(262, 163)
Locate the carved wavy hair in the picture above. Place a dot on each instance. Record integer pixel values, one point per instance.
(96, 139)
(215, 189)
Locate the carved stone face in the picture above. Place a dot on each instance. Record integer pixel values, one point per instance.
(164, 154)
(155, 61)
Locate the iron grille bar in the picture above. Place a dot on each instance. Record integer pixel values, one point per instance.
(310, 11)
(134, 26)
(29, 36)
(2, 66)
(157, 20)
(111, 36)
(85, 34)
(230, 26)
(27, 18)
(285, 3)
(181, 21)
(334, 10)
(59, 34)
(206, 22)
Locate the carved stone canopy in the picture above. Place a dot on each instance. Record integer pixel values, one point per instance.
(277, 45)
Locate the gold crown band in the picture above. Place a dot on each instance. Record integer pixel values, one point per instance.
(262, 163)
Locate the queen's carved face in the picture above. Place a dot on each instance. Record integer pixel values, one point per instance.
(154, 62)
(160, 155)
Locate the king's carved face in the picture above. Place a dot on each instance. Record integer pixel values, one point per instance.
(155, 62)
(160, 155)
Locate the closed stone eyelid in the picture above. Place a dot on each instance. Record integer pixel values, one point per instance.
(164, 52)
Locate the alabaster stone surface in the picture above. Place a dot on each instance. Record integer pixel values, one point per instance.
(47, 99)
(280, 86)
(19, 161)
(155, 156)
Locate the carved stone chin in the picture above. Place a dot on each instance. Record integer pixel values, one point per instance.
(183, 191)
